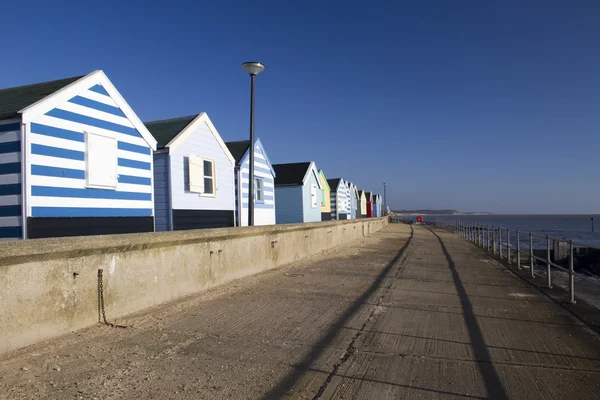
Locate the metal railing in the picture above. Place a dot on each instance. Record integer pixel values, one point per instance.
(499, 242)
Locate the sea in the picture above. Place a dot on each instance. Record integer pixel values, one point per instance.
(574, 227)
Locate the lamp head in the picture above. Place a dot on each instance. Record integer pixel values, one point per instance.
(253, 67)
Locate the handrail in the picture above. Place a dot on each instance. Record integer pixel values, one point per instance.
(497, 240)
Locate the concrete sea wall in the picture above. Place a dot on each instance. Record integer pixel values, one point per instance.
(49, 287)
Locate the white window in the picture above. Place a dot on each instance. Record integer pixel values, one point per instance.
(209, 177)
(313, 196)
(202, 176)
(259, 190)
(101, 161)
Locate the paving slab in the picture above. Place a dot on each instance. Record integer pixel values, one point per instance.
(407, 313)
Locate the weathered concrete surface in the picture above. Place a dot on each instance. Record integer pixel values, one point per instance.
(383, 317)
(49, 287)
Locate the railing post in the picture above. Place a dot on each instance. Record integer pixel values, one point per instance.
(480, 234)
(531, 255)
(548, 265)
(508, 245)
(488, 238)
(494, 239)
(518, 250)
(571, 274)
(500, 241)
(470, 231)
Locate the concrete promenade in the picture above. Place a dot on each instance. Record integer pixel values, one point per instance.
(401, 314)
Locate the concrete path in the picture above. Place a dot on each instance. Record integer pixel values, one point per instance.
(399, 315)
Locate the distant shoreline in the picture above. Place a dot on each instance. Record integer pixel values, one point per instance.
(417, 212)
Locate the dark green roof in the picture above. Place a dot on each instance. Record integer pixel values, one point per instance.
(238, 149)
(12, 100)
(165, 130)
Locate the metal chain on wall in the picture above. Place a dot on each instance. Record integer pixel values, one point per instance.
(101, 302)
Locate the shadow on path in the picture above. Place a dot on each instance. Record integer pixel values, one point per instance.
(491, 379)
(288, 382)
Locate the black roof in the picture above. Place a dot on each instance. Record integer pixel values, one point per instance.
(165, 130)
(238, 149)
(368, 195)
(333, 183)
(360, 192)
(290, 174)
(16, 98)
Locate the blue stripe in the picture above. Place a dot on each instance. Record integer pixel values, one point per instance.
(10, 211)
(11, 232)
(10, 127)
(96, 105)
(58, 172)
(135, 180)
(88, 193)
(10, 147)
(133, 147)
(246, 176)
(99, 89)
(266, 189)
(57, 152)
(89, 212)
(245, 197)
(57, 132)
(10, 168)
(124, 162)
(257, 169)
(10, 189)
(259, 205)
(98, 123)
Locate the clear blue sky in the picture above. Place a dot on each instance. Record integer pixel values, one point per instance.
(474, 105)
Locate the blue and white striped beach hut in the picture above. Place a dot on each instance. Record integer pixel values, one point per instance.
(74, 160)
(264, 183)
(339, 198)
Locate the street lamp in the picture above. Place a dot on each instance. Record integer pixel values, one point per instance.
(253, 68)
(385, 197)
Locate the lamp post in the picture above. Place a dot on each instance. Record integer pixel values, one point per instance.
(385, 197)
(253, 68)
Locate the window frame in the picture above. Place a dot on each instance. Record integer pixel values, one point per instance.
(87, 154)
(213, 177)
(201, 187)
(256, 190)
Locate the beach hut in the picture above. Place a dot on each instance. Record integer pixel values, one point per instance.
(354, 203)
(74, 160)
(264, 183)
(362, 204)
(339, 198)
(298, 193)
(193, 175)
(325, 197)
(369, 201)
(376, 205)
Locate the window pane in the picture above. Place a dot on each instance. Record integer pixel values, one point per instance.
(208, 186)
(208, 168)
(258, 192)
